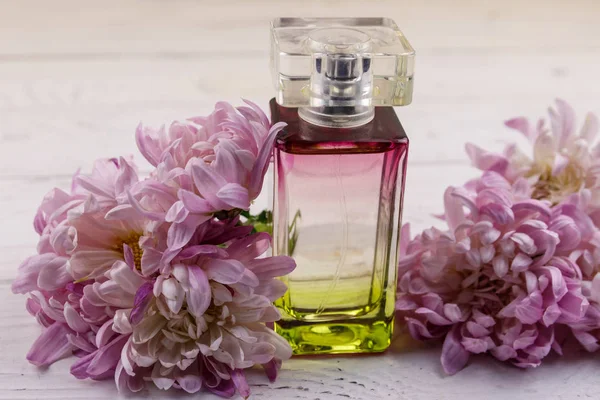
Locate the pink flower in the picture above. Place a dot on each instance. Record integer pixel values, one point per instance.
(562, 161)
(143, 285)
(74, 324)
(501, 279)
(215, 163)
(205, 166)
(204, 322)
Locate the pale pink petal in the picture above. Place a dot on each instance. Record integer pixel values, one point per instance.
(271, 267)
(504, 352)
(107, 357)
(190, 379)
(125, 277)
(544, 149)
(262, 161)
(199, 296)
(224, 271)
(572, 307)
(194, 203)
(234, 196)
(74, 320)
(180, 233)
(29, 270)
(150, 261)
(559, 165)
(208, 182)
(105, 334)
(148, 145)
(500, 264)
(520, 263)
(79, 368)
(589, 131)
(201, 249)
(452, 312)
(588, 341)
(177, 212)
(455, 214)
(521, 124)
(272, 289)
(562, 122)
(81, 342)
(126, 176)
(485, 160)
(51, 346)
(173, 294)
(239, 380)
(529, 310)
(258, 114)
(454, 356)
(162, 382)
(121, 212)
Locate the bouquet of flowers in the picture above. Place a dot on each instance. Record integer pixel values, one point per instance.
(159, 280)
(515, 274)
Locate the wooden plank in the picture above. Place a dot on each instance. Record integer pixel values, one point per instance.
(58, 116)
(129, 28)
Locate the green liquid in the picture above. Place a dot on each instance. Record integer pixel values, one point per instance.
(345, 326)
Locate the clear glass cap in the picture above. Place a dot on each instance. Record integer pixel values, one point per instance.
(341, 62)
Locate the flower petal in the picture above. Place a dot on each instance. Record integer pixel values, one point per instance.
(454, 356)
(235, 196)
(199, 296)
(259, 170)
(107, 357)
(271, 267)
(224, 271)
(51, 345)
(239, 380)
(140, 302)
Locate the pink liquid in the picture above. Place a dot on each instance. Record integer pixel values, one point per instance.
(340, 190)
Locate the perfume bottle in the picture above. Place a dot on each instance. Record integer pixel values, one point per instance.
(340, 167)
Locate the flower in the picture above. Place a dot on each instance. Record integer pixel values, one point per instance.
(205, 165)
(502, 280)
(204, 323)
(140, 285)
(562, 162)
(74, 322)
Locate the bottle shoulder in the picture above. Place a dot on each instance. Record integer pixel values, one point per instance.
(383, 133)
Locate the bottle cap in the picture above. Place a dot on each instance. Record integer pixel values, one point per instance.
(341, 62)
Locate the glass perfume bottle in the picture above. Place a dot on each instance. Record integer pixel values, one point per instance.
(340, 167)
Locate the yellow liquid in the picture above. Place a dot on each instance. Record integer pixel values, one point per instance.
(345, 326)
(335, 337)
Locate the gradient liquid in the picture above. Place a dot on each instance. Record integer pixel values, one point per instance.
(337, 208)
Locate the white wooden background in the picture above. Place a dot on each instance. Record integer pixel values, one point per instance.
(76, 77)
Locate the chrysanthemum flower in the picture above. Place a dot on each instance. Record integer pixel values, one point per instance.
(204, 165)
(74, 323)
(501, 279)
(563, 161)
(204, 323)
(143, 285)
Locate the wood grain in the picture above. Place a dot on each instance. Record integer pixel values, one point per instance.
(77, 77)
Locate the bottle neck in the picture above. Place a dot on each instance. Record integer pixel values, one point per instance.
(337, 117)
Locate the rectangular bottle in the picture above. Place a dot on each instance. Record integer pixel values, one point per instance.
(340, 167)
